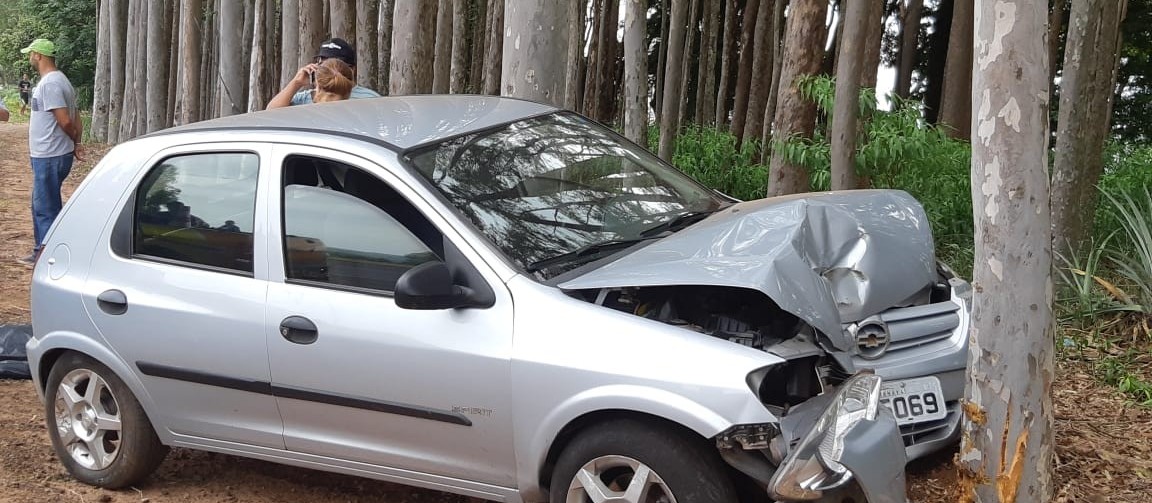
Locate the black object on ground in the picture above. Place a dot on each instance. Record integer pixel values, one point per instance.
(13, 356)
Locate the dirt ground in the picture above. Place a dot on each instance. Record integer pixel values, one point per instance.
(1103, 447)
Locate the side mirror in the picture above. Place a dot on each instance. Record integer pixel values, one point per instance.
(429, 286)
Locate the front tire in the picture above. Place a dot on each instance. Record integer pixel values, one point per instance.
(98, 429)
(629, 461)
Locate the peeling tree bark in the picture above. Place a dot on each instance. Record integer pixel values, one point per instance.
(231, 85)
(342, 16)
(846, 109)
(289, 39)
(534, 50)
(1085, 89)
(795, 115)
(117, 20)
(636, 72)
(872, 44)
(311, 27)
(1006, 452)
(158, 65)
(384, 42)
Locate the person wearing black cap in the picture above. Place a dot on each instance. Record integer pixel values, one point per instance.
(298, 91)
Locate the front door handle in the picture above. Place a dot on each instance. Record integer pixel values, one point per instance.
(298, 330)
(113, 302)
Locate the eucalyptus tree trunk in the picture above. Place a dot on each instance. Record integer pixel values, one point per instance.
(591, 102)
(686, 112)
(761, 74)
(669, 116)
(1085, 88)
(494, 49)
(127, 129)
(706, 79)
(572, 79)
(342, 16)
(289, 39)
(442, 64)
(1007, 449)
(258, 95)
(872, 44)
(231, 86)
(777, 66)
(796, 115)
(478, 37)
(662, 59)
(191, 12)
(846, 108)
(636, 72)
(311, 29)
(458, 83)
(157, 53)
(534, 51)
(726, 54)
(413, 47)
(384, 43)
(367, 43)
(910, 17)
(103, 68)
(744, 73)
(140, 78)
(956, 97)
(117, 22)
(173, 56)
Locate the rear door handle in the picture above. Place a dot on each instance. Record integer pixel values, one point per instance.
(113, 302)
(298, 330)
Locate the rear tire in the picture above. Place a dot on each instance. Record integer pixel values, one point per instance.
(674, 466)
(98, 429)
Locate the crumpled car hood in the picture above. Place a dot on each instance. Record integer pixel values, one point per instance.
(828, 258)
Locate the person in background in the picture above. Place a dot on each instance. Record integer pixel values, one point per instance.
(54, 133)
(334, 81)
(296, 92)
(25, 93)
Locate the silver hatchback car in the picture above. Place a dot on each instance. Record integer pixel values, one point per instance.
(494, 298)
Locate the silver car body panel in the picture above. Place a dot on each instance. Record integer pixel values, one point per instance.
(828, 258)
(401, 121)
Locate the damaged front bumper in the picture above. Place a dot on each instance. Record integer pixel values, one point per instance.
(826, 448)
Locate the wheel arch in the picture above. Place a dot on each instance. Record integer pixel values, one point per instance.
(589, 420)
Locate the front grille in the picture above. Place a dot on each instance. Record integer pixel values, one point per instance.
(911, 327)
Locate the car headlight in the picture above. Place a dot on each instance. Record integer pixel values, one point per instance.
(814, 465)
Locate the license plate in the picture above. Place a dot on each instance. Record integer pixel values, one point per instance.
(914, 400)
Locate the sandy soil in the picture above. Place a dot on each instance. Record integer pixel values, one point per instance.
(1103, 448)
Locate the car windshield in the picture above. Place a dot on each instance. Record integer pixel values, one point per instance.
(559, 185)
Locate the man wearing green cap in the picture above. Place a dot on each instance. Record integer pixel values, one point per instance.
(54, 130)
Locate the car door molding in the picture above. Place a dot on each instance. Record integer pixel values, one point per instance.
(308, 395)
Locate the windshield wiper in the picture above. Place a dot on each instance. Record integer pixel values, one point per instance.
(678, 222)
(584, 253)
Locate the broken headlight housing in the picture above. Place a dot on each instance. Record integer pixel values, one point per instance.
(814, 465)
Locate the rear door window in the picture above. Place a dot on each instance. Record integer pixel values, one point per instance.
(199, 210)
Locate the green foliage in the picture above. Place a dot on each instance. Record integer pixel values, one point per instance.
(711, 157)
(71, 24)
(1081, 289)
(1118, 371)
(1133, 257)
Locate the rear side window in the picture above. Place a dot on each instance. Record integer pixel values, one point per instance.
(199, 209)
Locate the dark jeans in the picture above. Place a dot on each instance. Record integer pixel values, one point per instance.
(48, 174)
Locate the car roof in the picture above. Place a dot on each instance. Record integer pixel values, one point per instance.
(399, 122)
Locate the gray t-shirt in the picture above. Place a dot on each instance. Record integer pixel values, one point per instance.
(359, 92)
(45, 138)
